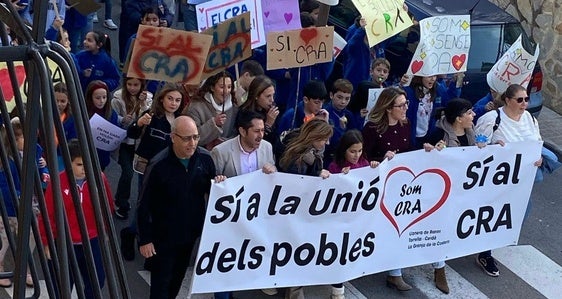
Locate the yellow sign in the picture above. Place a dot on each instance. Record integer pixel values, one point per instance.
(385, 18)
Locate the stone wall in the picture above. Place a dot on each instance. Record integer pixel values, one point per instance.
(542, 19)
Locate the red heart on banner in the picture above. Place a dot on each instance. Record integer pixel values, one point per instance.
(201, 10)
(416, 66)
(458, 61)
(424, 213)
(266, 13)
(5, 82)
(308, 34)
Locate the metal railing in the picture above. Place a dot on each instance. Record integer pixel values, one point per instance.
(39, 116)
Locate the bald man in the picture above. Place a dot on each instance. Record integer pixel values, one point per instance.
(171, 211)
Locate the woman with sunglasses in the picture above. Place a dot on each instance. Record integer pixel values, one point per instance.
(509, 123)
(515, 122)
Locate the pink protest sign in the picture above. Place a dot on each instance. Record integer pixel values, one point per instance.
(280, 15)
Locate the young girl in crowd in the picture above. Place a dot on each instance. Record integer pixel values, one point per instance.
(260, 98)
(128, 102)
(154, 128)
(10, 204)
(95, 61)
(349, 154)
(97, 103)
(303, 156)
(426, 94)
(214, 110)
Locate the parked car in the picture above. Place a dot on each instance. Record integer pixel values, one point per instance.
(492, 32)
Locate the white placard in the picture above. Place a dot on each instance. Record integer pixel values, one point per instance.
(106, 135)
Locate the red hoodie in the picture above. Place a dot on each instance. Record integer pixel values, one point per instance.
(87, 207)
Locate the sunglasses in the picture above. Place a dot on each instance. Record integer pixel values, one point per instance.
(521, 99)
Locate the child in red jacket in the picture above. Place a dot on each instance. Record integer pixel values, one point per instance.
(88, 209)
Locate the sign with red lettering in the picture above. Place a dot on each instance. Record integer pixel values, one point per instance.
(302, 47)
(170, 55)
(514, 67)
(231, 44)
(443, 47)
(214, 12)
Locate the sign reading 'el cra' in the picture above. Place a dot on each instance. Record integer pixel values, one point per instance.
(169, 55)
(298, 48)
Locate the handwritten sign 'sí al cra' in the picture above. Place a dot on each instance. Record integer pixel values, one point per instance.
(231, 44)
(169, 55)
(297, 48)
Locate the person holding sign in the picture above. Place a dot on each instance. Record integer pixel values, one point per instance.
(171, 210)
(426, 95)
(245, 153)
(510, 123)
(97, 103)
(303, 155)
(153, 129)
(128, 102)
(214, 110)
(357, 53)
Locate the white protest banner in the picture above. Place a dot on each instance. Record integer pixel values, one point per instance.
(418, 208)
(213, 12)
(301, 47)
(514, 67)
(443, 47)
(339, 44)
(385, 18)
(106, 135)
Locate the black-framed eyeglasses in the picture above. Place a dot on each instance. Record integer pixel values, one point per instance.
(188, 138)
(521, 99)
(402, 106)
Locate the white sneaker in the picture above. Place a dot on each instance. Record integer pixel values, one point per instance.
(269, 292)
(95, 18)
(109, 24)
(338, 293)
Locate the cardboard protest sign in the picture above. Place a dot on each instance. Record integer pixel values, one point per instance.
(214, 12)
(231, 44)
(170, 55)
(443, 47)
(514, 67)
(106, 136)
(297, 48)
(280, 15)
(84, 7)
(419, 206)
(384, 18)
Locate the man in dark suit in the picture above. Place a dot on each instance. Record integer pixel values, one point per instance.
(171, 211)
